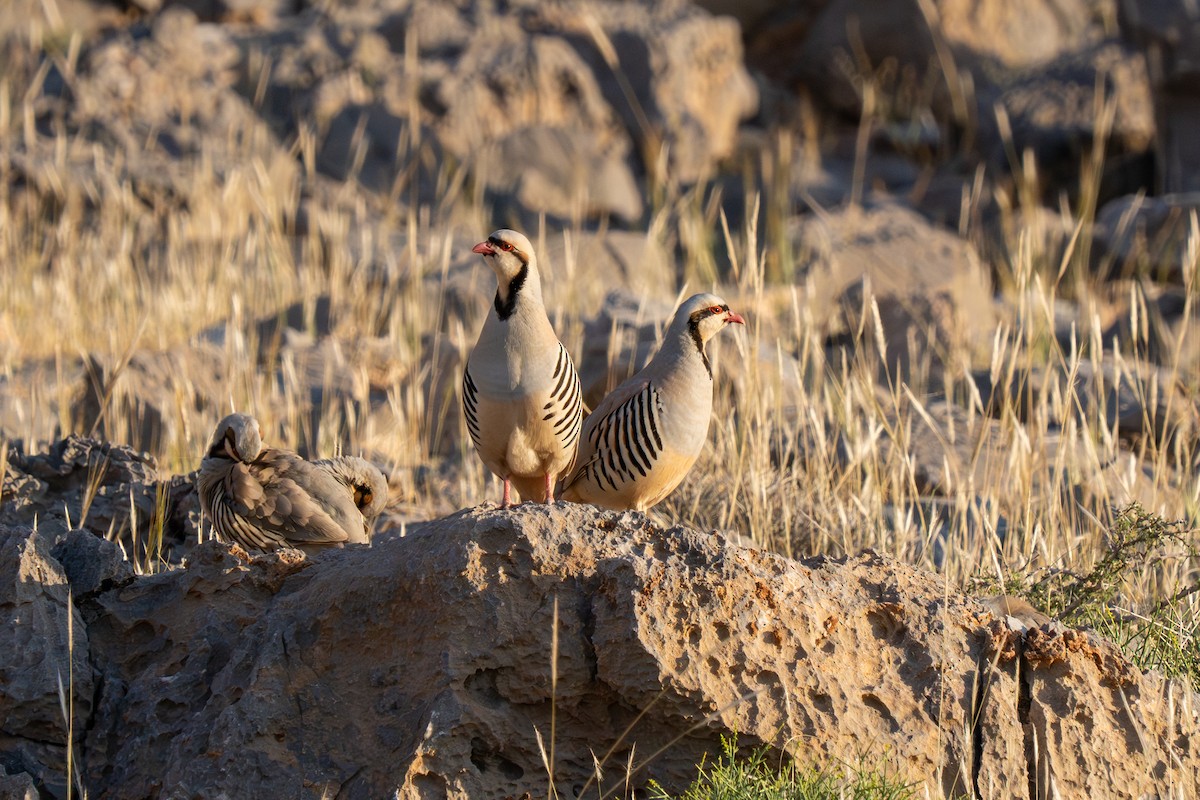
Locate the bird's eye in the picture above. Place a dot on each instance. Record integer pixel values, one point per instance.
(715, 310)
(505, 246)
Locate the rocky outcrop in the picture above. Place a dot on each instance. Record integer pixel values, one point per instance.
(73, 474)
(582, 98)
(156, 101)
(112, 492)
(1001, 77)
(1097, 95)
(433, 664)
(45, 646)
(549, 111)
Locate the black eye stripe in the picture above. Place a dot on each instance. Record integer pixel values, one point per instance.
(704, 313)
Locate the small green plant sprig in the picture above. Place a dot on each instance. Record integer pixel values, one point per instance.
(756, 776)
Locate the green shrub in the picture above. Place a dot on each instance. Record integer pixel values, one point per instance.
(1161, 631)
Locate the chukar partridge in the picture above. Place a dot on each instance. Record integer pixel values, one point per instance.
(1007, 605)
(265, 499)
(521, 395)
(366, 483)
(642, 439)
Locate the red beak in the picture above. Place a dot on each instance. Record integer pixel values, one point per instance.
(484, 249)
(738, 318)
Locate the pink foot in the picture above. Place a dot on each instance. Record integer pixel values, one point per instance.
(507, 502)
(549, 497)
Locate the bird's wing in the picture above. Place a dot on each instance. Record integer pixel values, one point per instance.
(284, 494)
(470, 403)
(612, 401)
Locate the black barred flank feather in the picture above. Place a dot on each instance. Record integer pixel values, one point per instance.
(471, 406)
(628, 439)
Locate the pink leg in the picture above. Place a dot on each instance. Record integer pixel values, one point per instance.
(549, 498)
(507, 503)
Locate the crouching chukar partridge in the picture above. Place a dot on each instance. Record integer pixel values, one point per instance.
(521, 396)
(643, 438)
(265, 499)
(366, 483)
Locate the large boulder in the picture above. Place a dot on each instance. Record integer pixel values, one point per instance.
(685, 71)
(827, 45)
(442, 661)
(932, 292)
(1098, 96)
(145, 396)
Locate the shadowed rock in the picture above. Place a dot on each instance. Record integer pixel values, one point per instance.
(41, 652)
(1168, 32)
(108, 490)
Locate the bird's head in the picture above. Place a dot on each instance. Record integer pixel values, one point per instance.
(237, 437)
(367, 483)
(706, 315)
(507, 252)
(370, 491)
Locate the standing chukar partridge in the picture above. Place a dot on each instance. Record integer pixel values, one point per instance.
(366, 483)
(521, 396)
(265, 499)
(643, 438)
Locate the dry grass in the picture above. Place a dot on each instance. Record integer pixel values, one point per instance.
(798, 458)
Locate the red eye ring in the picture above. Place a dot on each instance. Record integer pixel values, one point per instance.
(505, 246)
(715, 309)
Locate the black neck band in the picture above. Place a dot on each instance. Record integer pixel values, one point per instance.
(505, 308)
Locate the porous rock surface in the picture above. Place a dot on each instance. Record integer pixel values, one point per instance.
(424, 666)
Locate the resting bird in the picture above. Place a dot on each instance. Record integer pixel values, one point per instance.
(265, 499)
(643, 438)
(521, 395)
(367, 484)
(1007, 605)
